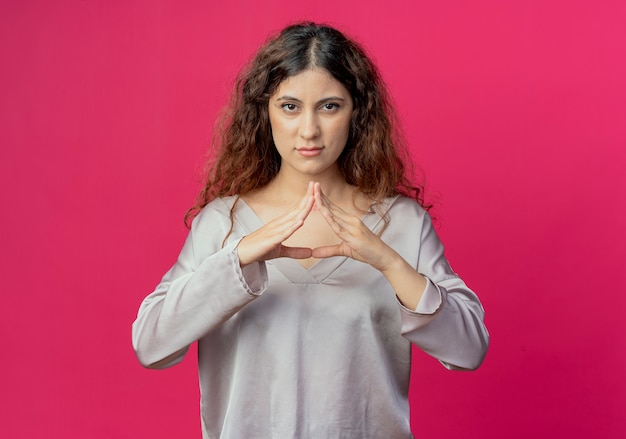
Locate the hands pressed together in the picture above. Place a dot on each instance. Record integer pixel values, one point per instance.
(357, 240)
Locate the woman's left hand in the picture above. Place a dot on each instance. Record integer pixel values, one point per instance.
(357, 240)
(360, 243)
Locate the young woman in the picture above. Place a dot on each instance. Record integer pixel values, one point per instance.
(311, 265)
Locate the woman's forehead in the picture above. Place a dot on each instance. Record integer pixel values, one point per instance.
(311, 82)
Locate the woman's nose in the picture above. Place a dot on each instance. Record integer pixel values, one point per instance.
(309, 125)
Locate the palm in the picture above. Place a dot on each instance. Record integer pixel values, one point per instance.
(267, 242)
(357, 240)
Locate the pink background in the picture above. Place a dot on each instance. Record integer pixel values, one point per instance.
(515, 109)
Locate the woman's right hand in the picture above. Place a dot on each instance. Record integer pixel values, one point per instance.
(267, 242)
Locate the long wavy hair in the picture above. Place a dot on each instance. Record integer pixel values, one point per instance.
(244, 158)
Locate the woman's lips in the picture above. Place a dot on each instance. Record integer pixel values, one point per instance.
(309, 151)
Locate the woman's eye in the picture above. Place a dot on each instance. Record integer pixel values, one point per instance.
(331, 106)
(290, 108)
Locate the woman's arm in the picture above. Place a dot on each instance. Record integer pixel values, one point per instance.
(448, 322)
(209, 284)
(204, 288)
(439, 313)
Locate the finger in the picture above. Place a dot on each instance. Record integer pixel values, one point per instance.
(327, 251)
(317, 196)
(335, 210)
(317, 189)
(320, 199)
(293, 220)
(321, 202)
(330, 204)
(303, 209)
(295, 252)
(330, 219)
(342, 223)
(307, 203)
(347, 222)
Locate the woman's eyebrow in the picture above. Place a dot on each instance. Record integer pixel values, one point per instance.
(321, 101)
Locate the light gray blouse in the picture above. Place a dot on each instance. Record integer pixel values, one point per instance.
(289, 352)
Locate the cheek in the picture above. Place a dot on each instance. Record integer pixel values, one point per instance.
(272, 119)
(280, 126)
(281, 134)
(275, 130)
(342, 130)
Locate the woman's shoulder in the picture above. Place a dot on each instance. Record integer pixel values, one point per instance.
(216, 212)
(401, 205)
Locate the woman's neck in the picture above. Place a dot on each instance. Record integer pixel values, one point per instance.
(287, 189)
(291, 185)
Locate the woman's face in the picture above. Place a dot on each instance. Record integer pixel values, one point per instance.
(310, 117)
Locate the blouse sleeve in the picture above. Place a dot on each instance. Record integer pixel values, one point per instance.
(204, 288)
(448, 323)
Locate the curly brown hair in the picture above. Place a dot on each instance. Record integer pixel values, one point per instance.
(245, 157)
